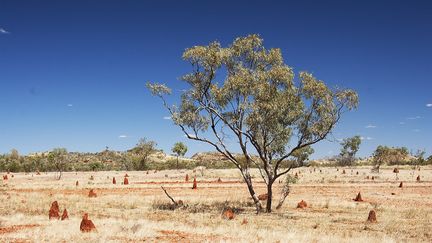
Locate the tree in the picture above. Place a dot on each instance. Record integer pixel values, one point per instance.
(58, 159)
(429, 160)
(179, 149)
(386, 155)
(302, 155)
(13, 161)
(350, 147)
(141, 152)
(419, 158)
(247, 93)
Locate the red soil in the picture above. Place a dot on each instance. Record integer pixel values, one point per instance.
(65, 215)
(194, 186)
(92, 193)
(263, 197)
(302, 204)
(14, 228)
(86, 224)
(372, 217)
(228, 214)
(245, 221)
(54, 211)
(358, 198)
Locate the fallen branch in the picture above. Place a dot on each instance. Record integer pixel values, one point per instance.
(172, 199)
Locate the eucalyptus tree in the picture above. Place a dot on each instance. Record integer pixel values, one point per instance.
(141, 153)
(350, 147)
(179, 149)
(247, 93)
(58, 158)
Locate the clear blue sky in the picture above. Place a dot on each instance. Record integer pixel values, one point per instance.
(73, 73)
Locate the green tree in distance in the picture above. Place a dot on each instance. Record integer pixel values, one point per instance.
(350, 147)
(246, 92)
(58, 159)
(179, 149)
(141, 152)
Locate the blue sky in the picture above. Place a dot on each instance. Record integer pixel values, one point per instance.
(72, 74)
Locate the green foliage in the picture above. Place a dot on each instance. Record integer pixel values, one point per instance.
(255, 100)
(302, 155)
(246, 93)
(390, 156)
(139, 155)
(179, 149)
(429, 160)
(290, 179)
(350, 147)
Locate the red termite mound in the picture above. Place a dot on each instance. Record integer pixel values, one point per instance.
(219, 180)
(187, 178)
(65, 215)
(76, 183)
(5, 177)
(401, 185)
(263, 197)
(372, 217)
(228, 214)
(357, 173)
(54, 210)
(245, 221)
(126, 175)
(302, 204)
(194, 186)
(86, 224)
(114, 180)
(358, 198)
(92, 193)
(418, 178)
(343, 172)
(395, 170)
(126, 181)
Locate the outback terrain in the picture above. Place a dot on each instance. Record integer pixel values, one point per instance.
(141, 211)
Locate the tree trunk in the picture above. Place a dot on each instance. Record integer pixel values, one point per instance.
(284, 194)
(269, 196)
(248, 180)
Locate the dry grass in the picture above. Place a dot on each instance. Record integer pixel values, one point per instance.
(140, 211)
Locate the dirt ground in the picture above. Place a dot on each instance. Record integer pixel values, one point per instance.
(137, 212)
